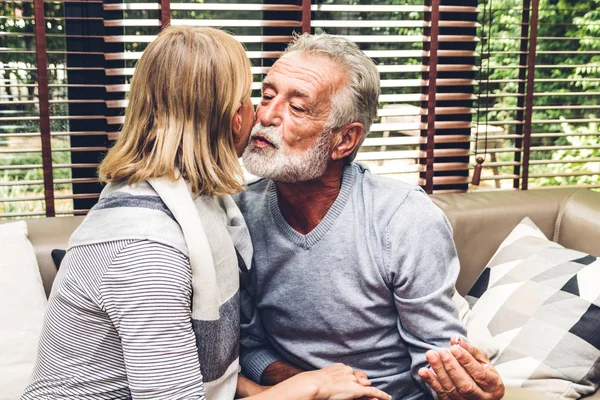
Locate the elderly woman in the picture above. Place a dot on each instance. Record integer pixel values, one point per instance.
(146, 303)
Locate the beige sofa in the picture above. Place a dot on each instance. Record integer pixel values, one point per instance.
(480, 220)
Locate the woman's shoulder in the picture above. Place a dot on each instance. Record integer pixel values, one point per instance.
(149, 262)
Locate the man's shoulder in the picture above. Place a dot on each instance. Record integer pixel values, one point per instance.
(395, 202)
(386, 191)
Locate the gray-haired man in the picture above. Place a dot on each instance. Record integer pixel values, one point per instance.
(348, 267)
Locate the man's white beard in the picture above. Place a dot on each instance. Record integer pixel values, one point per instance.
(270, 162)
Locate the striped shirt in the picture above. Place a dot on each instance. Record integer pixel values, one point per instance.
(118, 326)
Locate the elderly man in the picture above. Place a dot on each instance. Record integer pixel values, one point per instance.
(348, 267)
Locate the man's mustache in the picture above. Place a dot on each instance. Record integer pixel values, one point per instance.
(268, 133)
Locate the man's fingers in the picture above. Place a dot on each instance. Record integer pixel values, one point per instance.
(362, 377)
(462, 380)
(476, 352)
(430, 378)
(478, 366)
(437, 365)
(484, 375)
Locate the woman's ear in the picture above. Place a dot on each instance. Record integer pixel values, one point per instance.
(347, 140)
(236, 124)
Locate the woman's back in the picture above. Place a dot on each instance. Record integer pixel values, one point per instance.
(82, 355)
(118, 306)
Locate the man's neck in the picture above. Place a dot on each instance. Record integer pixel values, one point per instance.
(304, 204)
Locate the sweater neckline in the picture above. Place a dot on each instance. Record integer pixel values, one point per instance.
(314, 236)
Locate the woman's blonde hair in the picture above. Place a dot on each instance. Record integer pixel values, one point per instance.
(186, 88)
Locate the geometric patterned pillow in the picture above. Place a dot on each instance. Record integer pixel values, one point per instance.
(541, 303)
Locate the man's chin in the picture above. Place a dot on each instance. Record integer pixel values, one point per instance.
(256, 160)
(265, 162)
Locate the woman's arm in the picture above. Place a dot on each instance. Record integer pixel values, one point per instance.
(146, 293)
(246, 388)
(336, 382)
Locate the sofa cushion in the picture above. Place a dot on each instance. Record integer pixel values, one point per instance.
(541, 303)
(23, 303)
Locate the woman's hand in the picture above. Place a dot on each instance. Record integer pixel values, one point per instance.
(341, 382)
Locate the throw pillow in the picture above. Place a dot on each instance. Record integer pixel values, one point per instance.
(57, 257)
(477, 333)
(22, 307)
(541, 302)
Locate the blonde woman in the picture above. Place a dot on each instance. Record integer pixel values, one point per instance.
(146, 303)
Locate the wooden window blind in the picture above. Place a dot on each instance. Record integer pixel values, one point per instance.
(52, 119)
(512, 81)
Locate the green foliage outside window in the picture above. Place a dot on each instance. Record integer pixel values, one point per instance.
(569, 33)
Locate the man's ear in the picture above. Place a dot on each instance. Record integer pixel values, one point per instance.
(236, 124)
(347, 140)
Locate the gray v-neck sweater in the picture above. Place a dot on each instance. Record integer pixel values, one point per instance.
(371, 286)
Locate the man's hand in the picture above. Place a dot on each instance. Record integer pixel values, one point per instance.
(278, 372)
(462, 372)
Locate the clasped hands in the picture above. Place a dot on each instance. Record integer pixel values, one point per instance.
(462, 372)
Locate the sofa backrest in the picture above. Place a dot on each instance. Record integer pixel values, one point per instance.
(47, 234)
(482, 220)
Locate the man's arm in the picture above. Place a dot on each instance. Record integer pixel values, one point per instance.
(256, 353)
(423, 268)
(278, 372)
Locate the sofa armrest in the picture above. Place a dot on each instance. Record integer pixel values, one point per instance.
(578, 223)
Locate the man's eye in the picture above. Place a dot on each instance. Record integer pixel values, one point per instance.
(267, 96)
(296, 108)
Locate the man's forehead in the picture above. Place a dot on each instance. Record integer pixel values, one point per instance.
(304, 73)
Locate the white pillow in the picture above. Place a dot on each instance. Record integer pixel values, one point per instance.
(541, 302)
(478, 333)
(22, 307)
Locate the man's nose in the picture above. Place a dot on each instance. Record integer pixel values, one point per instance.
(269, 114)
